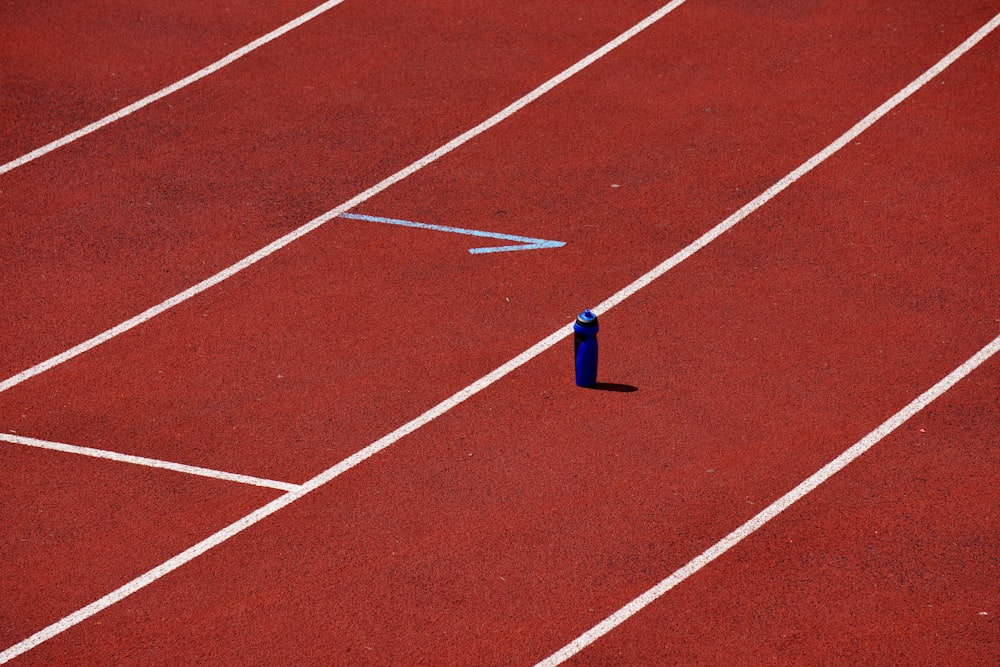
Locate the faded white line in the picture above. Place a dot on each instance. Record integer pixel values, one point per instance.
(144, 461)
(524, 242)
(772, 510)
(169, 90)
(296, 234)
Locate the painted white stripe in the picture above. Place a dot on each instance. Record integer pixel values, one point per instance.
(772, 510)
(234, 529)
(169, 90)
(143, 461)
(296, 234)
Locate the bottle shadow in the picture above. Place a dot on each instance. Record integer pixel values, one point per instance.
(614, 386)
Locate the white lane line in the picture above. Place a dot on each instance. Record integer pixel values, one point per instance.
(143, 461)
(331, 473)
(169, 90)
(772, 510)
(313, 224)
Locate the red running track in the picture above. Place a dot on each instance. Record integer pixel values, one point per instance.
(890, 562)
(502, 530)
(66, 65)
(123, 219)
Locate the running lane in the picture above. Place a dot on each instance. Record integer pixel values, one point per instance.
(73, 528)
(122, 219)
(892, 561)
(329, 344)
(65, 65)
(135, 213)
(510, 525)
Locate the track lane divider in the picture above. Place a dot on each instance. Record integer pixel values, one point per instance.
(317, 222)
(459, 397)
(144, 461)
(169, 90)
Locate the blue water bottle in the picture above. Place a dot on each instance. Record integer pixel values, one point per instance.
(585, 349)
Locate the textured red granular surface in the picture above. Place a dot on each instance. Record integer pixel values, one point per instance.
(75, 528)
(67, 64)
(893, 561)
(505, 528)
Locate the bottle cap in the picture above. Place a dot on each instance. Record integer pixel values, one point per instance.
(587, 319)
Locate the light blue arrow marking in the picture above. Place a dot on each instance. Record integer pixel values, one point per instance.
(526, 242)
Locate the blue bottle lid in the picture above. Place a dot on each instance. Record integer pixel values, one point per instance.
(587, 319)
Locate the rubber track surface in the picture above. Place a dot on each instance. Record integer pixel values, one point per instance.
(501, 531)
